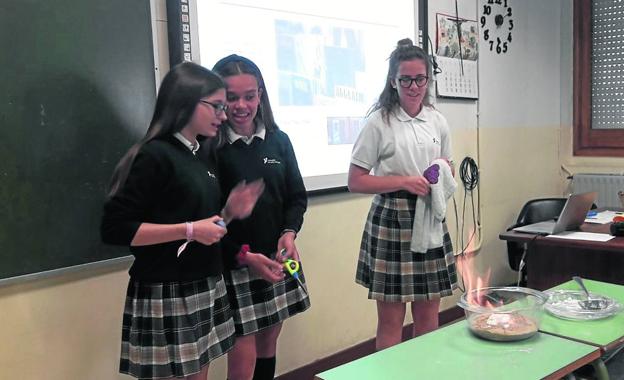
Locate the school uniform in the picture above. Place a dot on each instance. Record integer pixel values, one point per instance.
(387, 267)
(176, 318)
(256, 303)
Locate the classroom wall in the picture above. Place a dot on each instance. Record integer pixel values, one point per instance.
(68, 327)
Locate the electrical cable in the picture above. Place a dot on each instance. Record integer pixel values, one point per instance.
(469, 176)
(522, 262)
(434, 63)
(469, 173)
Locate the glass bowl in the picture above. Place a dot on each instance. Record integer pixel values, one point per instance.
(503, 313)
(566, 304)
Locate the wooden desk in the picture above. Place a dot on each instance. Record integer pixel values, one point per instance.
(452, 352)
(552, 261)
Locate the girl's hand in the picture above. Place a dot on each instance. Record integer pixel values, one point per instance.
(264, 267)
(286, 243)
(242, 199)
(416, 185)
(207, 232)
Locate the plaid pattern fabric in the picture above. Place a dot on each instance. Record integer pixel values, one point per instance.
(387, 266)
(258, 304)
(174, 328)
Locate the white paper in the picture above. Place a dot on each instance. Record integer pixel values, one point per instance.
(603, 217)
(575, 235)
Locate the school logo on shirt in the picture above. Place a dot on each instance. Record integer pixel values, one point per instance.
(270, 161)
(210, 174)
(436, 141)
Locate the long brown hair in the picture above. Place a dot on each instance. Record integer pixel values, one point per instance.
(389, 97)
(180, 92)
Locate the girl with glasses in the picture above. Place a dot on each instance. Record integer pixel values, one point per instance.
(252, 146)
(402, 137)
(165, 204)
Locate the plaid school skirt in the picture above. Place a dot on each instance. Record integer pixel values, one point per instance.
(386, 264)
(173, 329)
(258, 304)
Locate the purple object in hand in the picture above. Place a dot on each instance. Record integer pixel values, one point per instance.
(432, 173)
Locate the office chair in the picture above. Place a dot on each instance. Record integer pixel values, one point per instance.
(535, 210)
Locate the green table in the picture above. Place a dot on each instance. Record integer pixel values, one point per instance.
(605, 333)
(452, 352)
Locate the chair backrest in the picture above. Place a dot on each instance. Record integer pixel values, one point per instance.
(534, 211)
(539, 210)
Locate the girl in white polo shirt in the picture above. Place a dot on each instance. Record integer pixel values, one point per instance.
(403, 135)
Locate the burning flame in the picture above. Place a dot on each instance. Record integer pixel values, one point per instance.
(473, 282)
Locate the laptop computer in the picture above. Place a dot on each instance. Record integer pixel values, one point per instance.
(572, 216)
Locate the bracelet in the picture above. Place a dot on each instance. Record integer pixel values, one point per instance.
(241, 256)
(288, 230)
(189, 237)
(189, 231)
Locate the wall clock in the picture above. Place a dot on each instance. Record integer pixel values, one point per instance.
(497, 24)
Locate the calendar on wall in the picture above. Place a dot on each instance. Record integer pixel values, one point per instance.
(457, 53)
(455, 82)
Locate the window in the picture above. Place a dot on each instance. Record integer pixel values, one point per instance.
(598, 82)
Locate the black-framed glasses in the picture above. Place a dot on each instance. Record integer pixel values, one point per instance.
(218, 107)
(406, 82)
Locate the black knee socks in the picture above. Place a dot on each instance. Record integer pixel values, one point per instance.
(265, 369)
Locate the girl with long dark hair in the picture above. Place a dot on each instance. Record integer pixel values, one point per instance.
(165, 204)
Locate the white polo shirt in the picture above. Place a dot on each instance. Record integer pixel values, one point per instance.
(232, 136)
(405, 147)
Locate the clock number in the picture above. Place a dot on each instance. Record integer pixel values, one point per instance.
(486, 34)
(509, 37)
(491, 45)
(504, 47)
(482, 21)
(505, 4)
(509, 11)
(487, 10)
(498, 1)
(490, 1)
(498, 45)
(510, 24)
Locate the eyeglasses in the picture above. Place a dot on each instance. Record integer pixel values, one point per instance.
(406, 82)
(218, 107)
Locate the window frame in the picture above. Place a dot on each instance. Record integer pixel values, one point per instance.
(588, 141)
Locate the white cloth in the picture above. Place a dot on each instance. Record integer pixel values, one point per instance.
(406, 146)
(427, 231)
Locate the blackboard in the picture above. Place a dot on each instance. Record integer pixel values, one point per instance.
(77, 89)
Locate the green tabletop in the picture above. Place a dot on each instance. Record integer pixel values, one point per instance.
(452, 352)
(603, 332)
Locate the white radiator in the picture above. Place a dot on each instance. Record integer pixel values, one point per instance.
(607, 186)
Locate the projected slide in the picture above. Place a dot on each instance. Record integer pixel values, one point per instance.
(324, 64)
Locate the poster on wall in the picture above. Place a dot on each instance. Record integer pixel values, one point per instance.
(457, 52)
